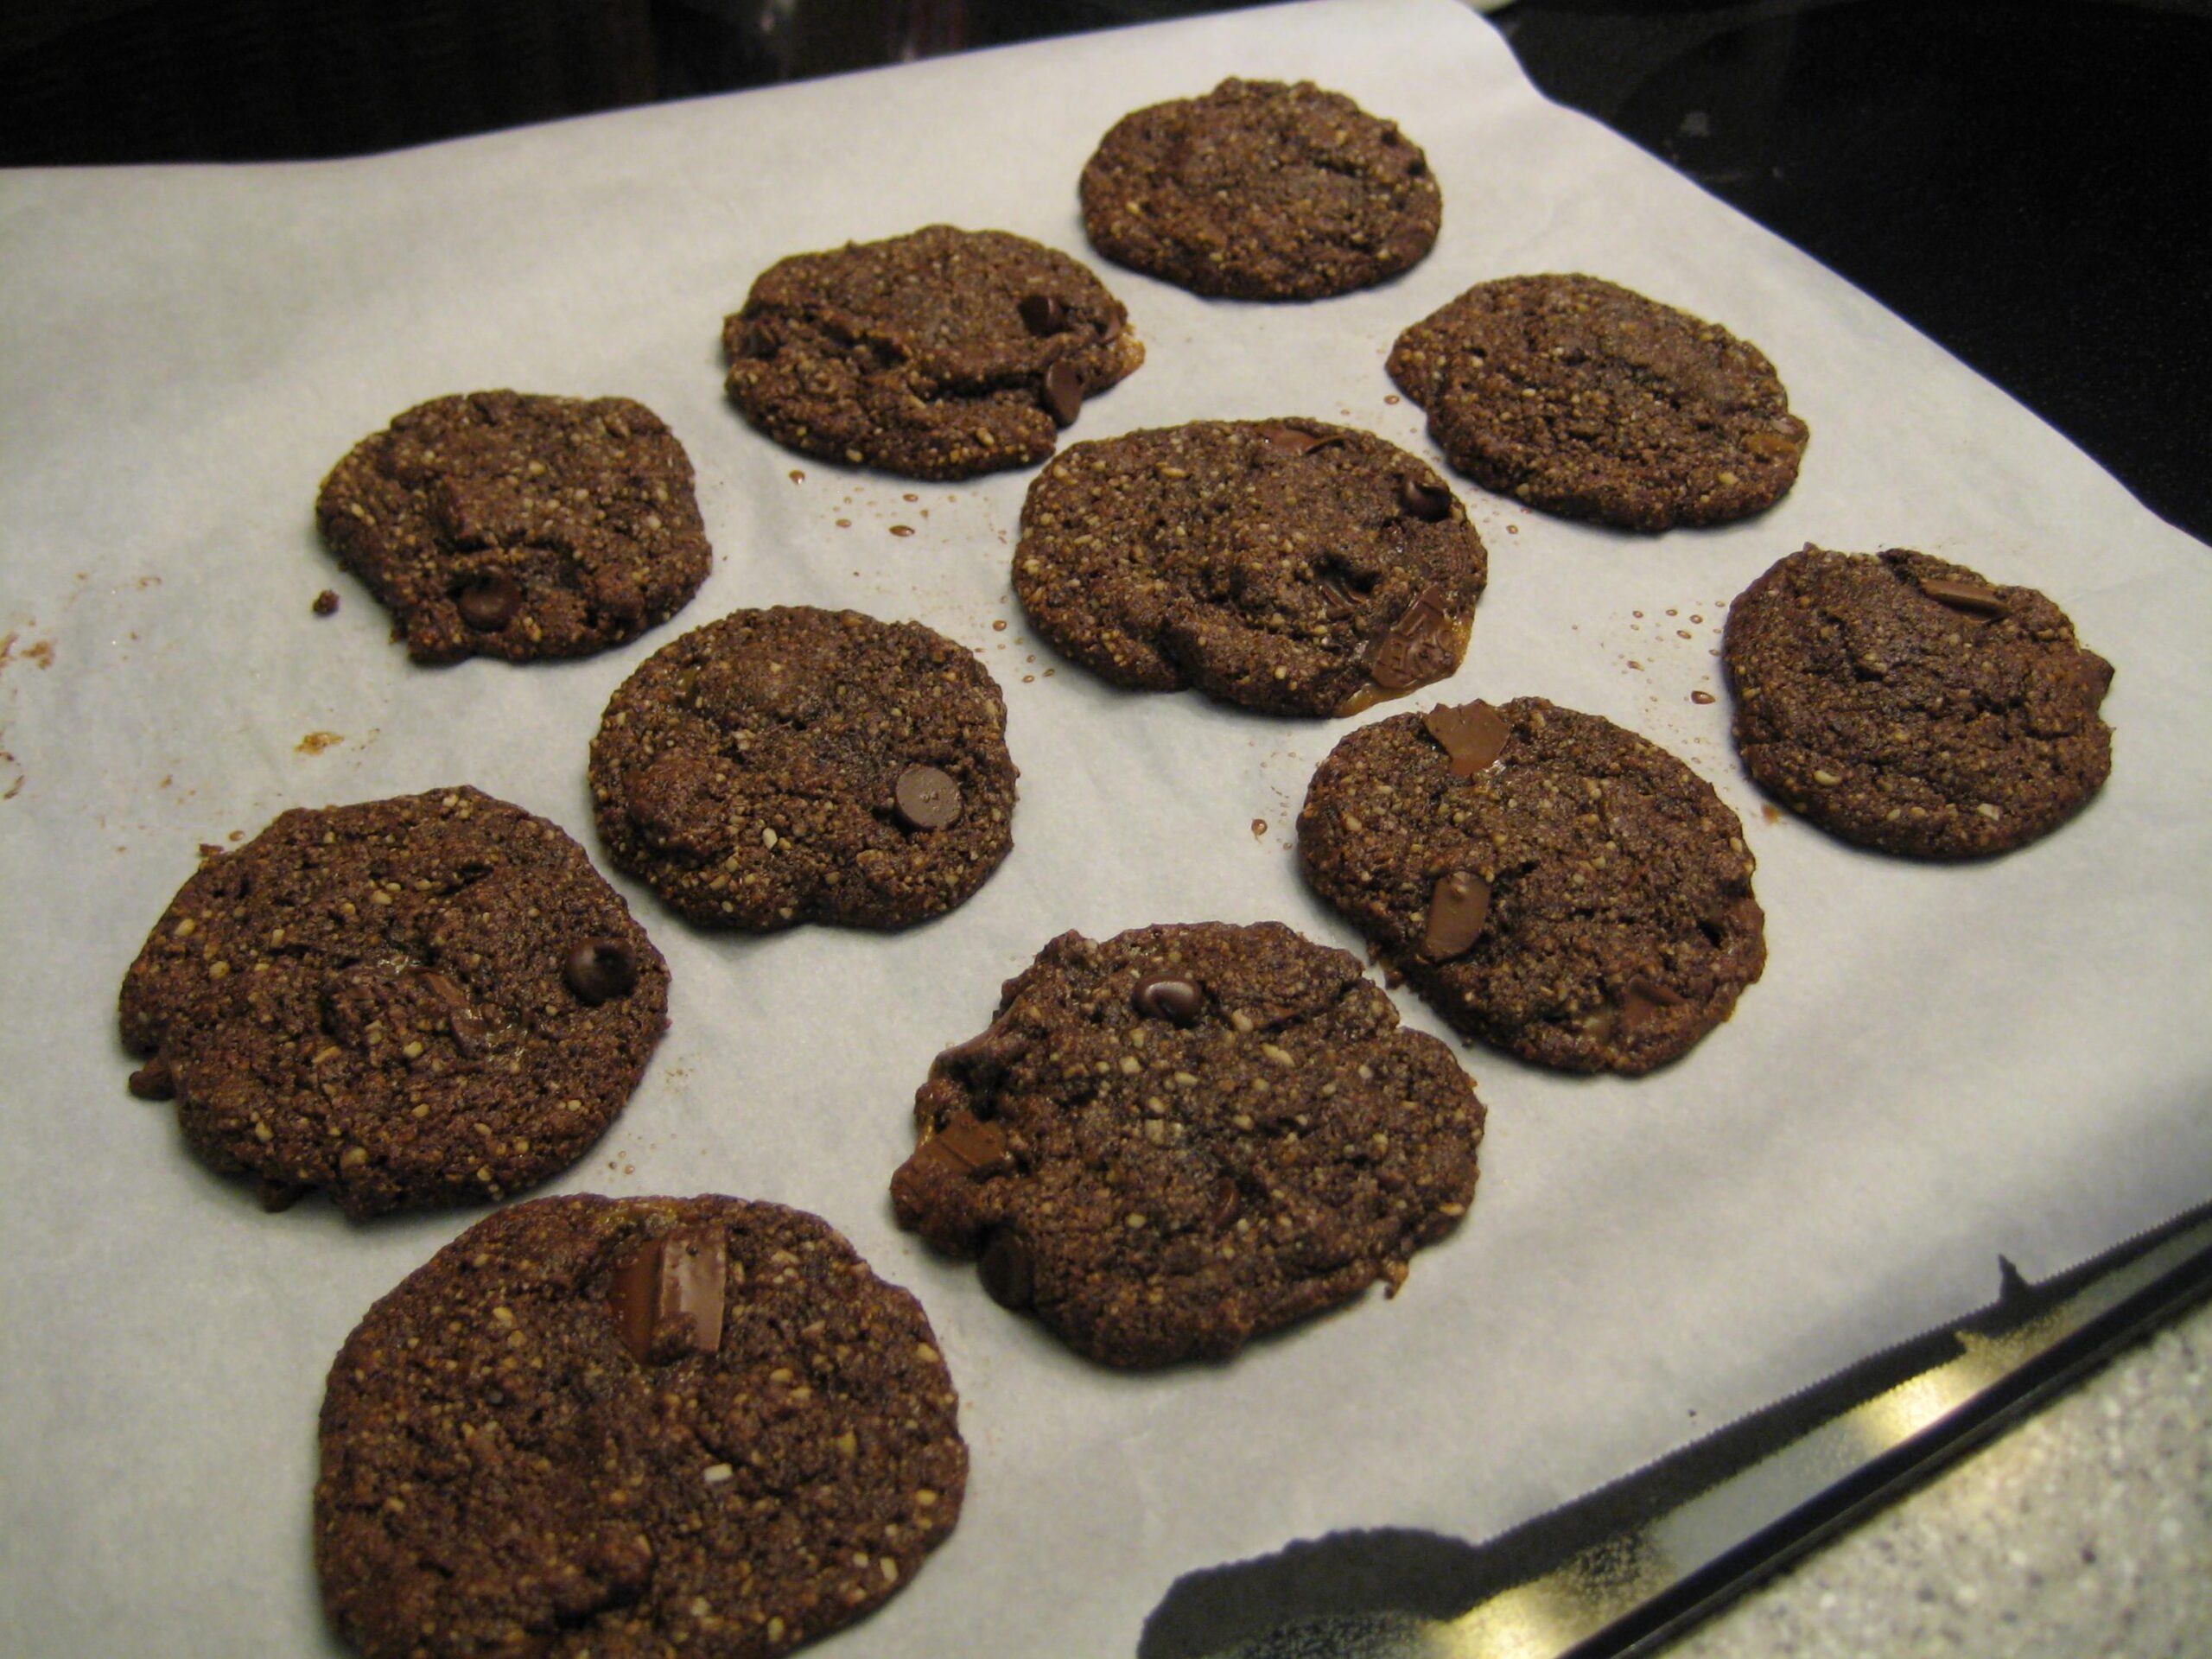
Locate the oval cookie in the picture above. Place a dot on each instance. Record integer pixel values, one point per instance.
(631, 1425)
(1912, 706)
(510, 525)
(796, 764)
(938, 354)
(429, 1000)
(1583, 398)
(1260, 190)
(1173, 1140)
(1286, 565)
(1549, 881)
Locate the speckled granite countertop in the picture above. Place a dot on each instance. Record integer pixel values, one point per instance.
(2085, 1529)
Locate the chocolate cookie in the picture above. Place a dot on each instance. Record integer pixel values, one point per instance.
(506, 525)
(1171, 1142)
(1286, 565)
(939, 354)
(1261, 190)
(1910, 705)
(796, 764)
(429, 999)
(1548, 881)
(1586, 400)
(592, 1426)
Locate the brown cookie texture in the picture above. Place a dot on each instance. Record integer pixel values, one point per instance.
(1261, 190)
(429, 1000)
(795, 764)
(1170, 1142)
(1913, 705)
(595, 1427)
(1549, 881)
(938, 354)
(504, 524)
(1584, 400)
(1288, 565)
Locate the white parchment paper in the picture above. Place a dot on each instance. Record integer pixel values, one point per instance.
(1940, 1064)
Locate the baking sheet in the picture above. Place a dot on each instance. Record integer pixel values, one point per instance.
(1941, 1065)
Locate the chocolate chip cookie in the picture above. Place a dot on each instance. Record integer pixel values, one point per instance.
(429, 1000)
(1588, 400)
(1170, 1142)
(1548, 881)
(797, 765)
(1288, 565)
(631, 1425)
(939, 354)
(1913, 705)
(504, 524)
(1261, 190)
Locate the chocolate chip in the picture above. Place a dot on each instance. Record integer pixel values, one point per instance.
(1422, 645)
(1008, 1274)
(1163, 997)
(666, 1295)
(152, 1081)
(489, 601)
(1968, 596)
(598, 971)
(1338, 601)
(1427, 501)
(1474, 734)
(1290, 439)
(926, 798)
(1227, 1204)
(1064, 392)
(1457, 910)
(967, 1144)
(1042, 314)
(988, 1051)
(1644, 998)
(326, 603)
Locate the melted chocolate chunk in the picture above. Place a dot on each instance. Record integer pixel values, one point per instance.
(599, 970)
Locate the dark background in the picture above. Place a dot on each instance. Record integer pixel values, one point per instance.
(2028, 184)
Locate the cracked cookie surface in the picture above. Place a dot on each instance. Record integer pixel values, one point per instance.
(1173, 1140)
(1260, 190)
(796, 764)
(510, 525)
(1586, 399)
(1549, 881)
(1288, 565)
(631, 1426)
(433, 999)
(938, 354)
(1910, 705)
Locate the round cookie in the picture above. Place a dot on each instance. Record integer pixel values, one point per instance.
(796, 764)
(596, 1427)
(1584, 400)
(1912, 706)
(1548, 881)
(1289, 566)
(429, 1000)
(1173, 1141)
(1260, 190)
(504, 524)
(938, 354)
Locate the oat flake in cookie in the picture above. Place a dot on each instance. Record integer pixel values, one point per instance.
(1912, 706)
(600, 1426)
(939, 354)
(502, 523)
(1287, 565)
(429, 999)
(1170, 1142)
(797, 765)
(1260, 190)
(1548, 881)
(1584, 400)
